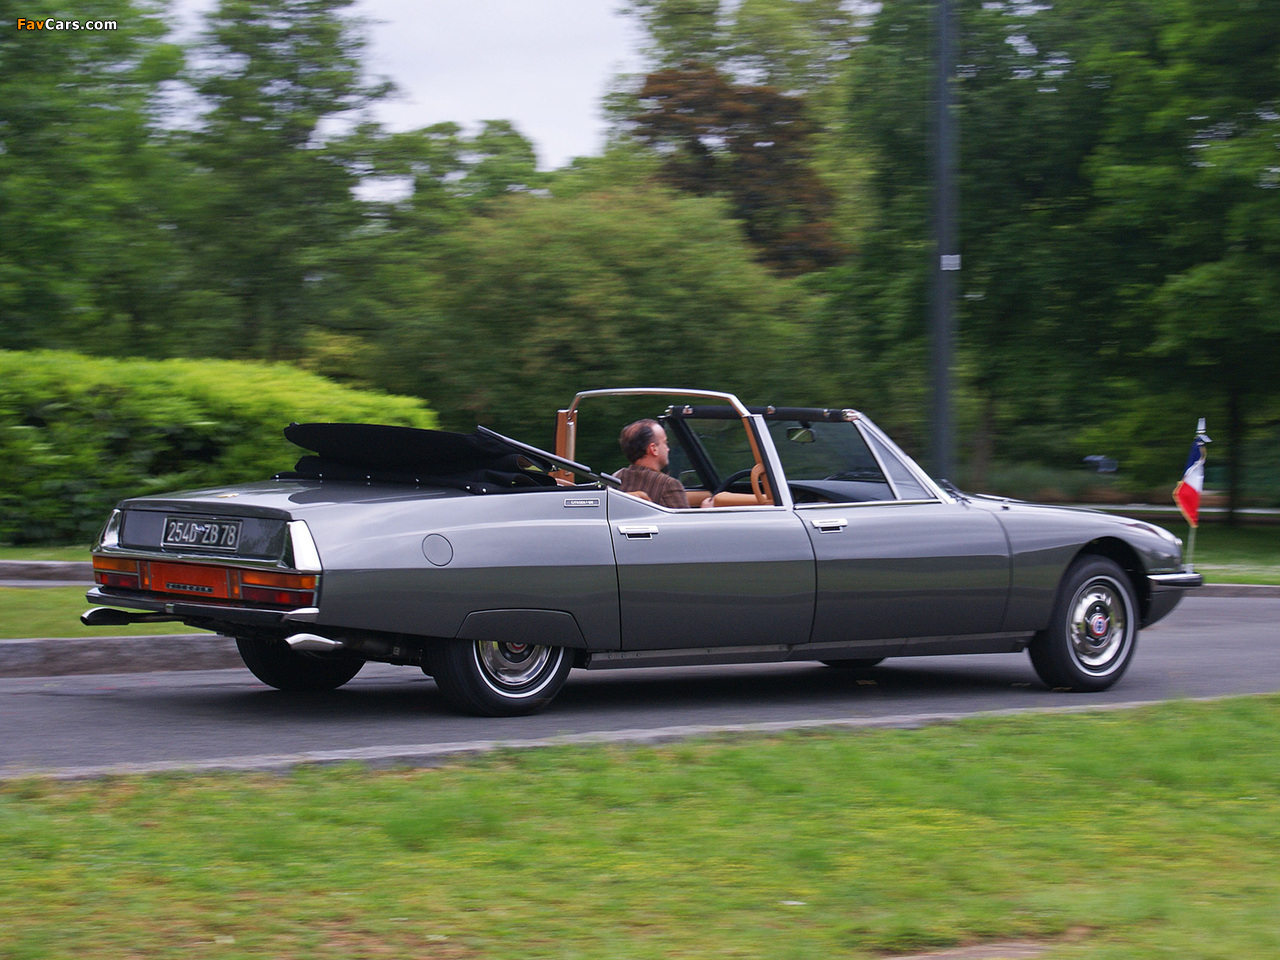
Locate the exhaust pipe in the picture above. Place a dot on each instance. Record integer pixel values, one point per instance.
(312, 643)
(110, 617)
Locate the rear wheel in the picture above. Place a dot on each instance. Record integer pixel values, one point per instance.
(494, 679)
(1094, 629)
(276, 665)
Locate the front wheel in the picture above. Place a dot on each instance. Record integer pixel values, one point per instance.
(493, 679)
(277, 665)
(1094, 629)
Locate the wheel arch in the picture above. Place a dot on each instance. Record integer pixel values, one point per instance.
(557, 628)
(1121, 553)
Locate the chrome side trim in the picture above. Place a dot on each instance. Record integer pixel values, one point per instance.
(109, 538)
(604, 660)
(306, 558)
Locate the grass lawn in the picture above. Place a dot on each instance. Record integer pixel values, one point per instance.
(55, 612)
(1243, 554)
(45, 553)
(1132, 834)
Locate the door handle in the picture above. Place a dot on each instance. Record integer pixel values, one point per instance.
(638, 532)
(830, 524)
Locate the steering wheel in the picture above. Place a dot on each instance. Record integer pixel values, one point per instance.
(759, 485)
(733, 478)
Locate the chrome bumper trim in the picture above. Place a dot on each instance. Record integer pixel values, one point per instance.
(191, 609)
(1175, 581)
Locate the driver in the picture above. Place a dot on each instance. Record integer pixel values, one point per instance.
(644, 444)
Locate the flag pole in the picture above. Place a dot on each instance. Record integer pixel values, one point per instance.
(1187, 493)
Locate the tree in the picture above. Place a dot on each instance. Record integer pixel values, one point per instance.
(86, 257)
(1043, 322)
(782, 61)
(546, 295)
(274, 202)
(1189, 170)
(750, 144)
(795, 46)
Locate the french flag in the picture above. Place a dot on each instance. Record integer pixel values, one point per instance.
(1187, 493)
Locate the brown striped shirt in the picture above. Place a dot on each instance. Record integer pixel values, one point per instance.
(662, 489)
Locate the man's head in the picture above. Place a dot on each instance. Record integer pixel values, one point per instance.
(645, 443)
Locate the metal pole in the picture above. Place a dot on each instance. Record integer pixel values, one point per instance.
(946, 263)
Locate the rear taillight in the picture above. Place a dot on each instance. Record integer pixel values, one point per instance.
(208, 581)
(116, 572)
(277, 589)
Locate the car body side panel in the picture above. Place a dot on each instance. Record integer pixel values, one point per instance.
(424, 568)
(710, 578)
(1044, 540)
(901, 570)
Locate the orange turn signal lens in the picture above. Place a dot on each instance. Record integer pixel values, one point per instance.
(283, 581)
(119, 564)
(278, 589)
(116, 572)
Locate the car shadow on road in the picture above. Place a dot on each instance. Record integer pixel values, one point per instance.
(789, 684)
(665, 696)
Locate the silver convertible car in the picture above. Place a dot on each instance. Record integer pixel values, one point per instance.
(496, 567)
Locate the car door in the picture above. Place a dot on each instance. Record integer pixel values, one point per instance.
(902, 570)
(907, 564)
(711, 578)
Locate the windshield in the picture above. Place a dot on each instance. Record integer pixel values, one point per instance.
(824, 451)
(824, 461)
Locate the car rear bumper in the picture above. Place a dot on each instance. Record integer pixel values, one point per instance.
(194, 614)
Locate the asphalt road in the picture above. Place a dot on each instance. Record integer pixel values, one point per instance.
(93, 724)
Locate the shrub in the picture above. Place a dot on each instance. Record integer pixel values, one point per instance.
(78, 433)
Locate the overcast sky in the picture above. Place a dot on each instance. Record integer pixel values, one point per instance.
(543, 64)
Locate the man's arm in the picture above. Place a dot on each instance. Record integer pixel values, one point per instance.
(672, 494)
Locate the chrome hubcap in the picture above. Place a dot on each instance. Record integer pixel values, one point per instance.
(518, 669)
(1099, 625)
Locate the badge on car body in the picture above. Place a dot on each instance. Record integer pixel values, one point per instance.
(583, 502)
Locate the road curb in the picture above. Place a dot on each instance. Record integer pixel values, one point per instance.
(67, 570)
(1236, 590)
(437, 754)
(60, 657)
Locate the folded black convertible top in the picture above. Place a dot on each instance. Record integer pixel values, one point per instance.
(367, 452)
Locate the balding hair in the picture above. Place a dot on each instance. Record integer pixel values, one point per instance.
(636, 437)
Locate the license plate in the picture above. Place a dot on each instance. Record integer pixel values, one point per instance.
(201, 534)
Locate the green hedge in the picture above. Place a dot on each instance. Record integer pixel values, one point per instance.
(79, 433)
